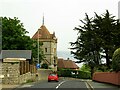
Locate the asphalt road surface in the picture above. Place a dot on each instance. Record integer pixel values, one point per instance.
(62, 84)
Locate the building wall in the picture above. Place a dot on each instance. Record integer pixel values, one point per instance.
(51, 52)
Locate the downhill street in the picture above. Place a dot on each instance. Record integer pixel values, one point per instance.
(76, 84)
(67, 83)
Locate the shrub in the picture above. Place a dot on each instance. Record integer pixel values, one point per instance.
(77, 73)
(84, 75)
(29, 81)
(116, 60)
(44, 65)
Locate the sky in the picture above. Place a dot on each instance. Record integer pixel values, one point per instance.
(60, 16)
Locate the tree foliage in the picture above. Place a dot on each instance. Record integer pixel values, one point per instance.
(85, 68)
(116, 60)
(14, 37)
(96, 36)
(44, 65)
(108, 30)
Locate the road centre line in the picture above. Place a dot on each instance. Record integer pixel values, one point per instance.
(60, 84)
(89, 86)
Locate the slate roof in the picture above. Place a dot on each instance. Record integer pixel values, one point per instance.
(16, 54)
(67, 64)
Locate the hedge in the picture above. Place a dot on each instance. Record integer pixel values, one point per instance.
(77, 73)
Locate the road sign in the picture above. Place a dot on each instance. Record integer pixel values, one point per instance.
(38, 66)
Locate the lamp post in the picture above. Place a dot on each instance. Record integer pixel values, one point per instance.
(38, 46)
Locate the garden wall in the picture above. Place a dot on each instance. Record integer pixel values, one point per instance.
(107, 77)
(43, 74)
(10, 73)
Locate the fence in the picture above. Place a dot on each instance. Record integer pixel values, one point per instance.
(25, 67)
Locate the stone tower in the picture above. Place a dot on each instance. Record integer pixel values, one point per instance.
(49, 46)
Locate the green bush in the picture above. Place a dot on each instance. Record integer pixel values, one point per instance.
(65, 73)
(44, 65)
(84, 75)
(116, 60)
(29, 81)
(77, 73)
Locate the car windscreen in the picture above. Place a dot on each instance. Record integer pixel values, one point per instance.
(52, 74)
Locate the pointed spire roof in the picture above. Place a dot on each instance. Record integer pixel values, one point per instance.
(43, 32)
(43, 19)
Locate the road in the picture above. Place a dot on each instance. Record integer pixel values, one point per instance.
(70, 84)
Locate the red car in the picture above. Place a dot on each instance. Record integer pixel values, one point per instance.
(52, 77)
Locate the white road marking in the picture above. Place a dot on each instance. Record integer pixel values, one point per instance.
(60, 84)
(89, 86)
(86, 85)
(26, 86)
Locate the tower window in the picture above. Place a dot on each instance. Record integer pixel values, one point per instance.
(45, 49)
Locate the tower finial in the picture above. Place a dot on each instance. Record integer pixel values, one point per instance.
(43, 18)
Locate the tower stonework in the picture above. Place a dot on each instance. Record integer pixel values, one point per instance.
(49, 46)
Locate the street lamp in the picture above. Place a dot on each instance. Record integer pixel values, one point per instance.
(38, 46)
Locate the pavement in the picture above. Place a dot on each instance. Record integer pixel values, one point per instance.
(13, 87)
(8, 87)
(101, 86)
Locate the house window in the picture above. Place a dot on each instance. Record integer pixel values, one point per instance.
(45, 49)
(54, 50)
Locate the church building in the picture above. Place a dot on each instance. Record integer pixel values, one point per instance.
(49, 46)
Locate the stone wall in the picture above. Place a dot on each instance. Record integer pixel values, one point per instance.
(25, 77)
(11, 73)
(43, 74)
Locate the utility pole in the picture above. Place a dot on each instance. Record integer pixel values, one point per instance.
(119, 11)
(38, 46)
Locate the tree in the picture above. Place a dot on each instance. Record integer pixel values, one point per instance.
(87, 44)
(14, 37)
(96, 36)
(108, 30)
(85, 68)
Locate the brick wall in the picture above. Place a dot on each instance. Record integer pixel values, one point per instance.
(108, 77)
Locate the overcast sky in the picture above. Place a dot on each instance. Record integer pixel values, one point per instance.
(60, 16)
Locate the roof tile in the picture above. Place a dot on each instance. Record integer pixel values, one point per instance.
(67, 64)
(43, 33)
